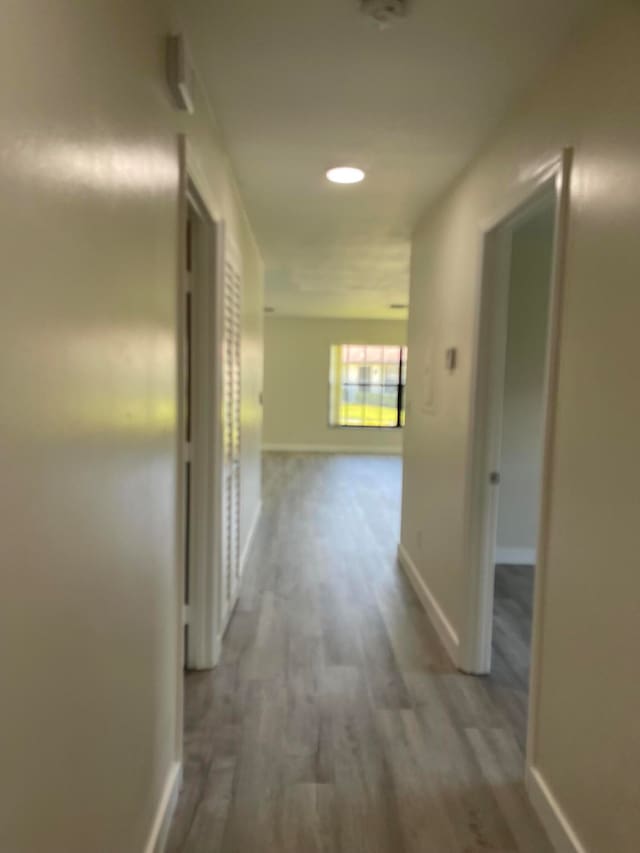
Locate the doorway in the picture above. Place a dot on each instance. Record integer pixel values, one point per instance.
(209, 476)
(200, 395)
(513, 415)
(520, 456)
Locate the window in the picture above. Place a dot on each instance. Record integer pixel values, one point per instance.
(366, 385)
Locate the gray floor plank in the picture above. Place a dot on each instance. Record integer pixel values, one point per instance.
(335, 722)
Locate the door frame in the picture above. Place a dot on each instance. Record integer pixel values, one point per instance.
(206, 435)
(551, 180)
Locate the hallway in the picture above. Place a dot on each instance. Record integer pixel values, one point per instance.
(335, 721)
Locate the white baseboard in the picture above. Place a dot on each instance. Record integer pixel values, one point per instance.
(332, 448)
(561, 834)
(515, 556)
(164, 813)
(250, 537)
(435, 613)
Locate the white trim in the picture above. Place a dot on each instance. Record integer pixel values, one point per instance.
(561, 834)
(250, 537)
(515, 556)
(206, 448)
(435, 613)
(520, 199)
(561, 230)
(331, 448)
(157, 840)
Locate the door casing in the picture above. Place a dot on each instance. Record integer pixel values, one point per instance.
(206, 427)
(550, 181)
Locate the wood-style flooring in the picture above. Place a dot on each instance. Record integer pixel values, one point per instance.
(335, 722)
(512, 613)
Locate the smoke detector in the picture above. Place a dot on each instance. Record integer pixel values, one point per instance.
(384, 12)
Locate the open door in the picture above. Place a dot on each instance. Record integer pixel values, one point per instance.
(547, 190)
(202, 471)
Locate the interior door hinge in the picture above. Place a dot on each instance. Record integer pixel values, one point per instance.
(494, 478)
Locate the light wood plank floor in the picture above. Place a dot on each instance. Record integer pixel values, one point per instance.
(335, 722)
(512, 613)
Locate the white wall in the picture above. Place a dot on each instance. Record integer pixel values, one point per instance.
(296, 383)
(521, 462)
(587, 739)
(89, 262)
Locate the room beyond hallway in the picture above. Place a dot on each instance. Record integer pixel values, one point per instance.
(335, 721)
(511, 644)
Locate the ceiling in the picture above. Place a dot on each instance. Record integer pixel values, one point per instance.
(299, 86)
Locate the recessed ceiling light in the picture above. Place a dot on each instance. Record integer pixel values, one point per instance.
(345, 175)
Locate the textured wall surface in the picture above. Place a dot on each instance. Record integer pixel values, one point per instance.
(296, 364)
(89, 223)
(588, 740)
(523, 409)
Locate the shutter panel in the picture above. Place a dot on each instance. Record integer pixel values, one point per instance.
(231, 433)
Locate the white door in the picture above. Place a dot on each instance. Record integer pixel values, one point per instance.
(231, 437)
